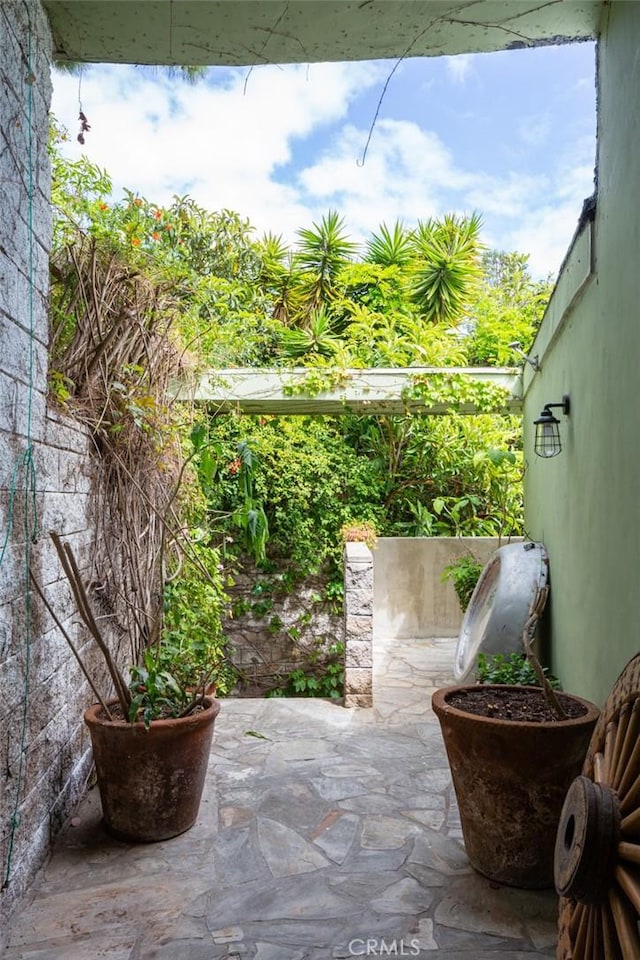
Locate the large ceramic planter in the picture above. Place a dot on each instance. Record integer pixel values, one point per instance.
(151, 781)
(511, 778)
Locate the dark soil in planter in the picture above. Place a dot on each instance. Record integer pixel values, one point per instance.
(514, 703)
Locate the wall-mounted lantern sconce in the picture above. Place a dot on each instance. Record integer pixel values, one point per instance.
(547, 442)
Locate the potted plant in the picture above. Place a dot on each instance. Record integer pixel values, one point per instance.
(120, 337)
(513, 751)
(151, 742)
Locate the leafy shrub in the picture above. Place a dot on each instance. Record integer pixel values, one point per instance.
(464, 573)
(155, 693)
(323, 675)
(359, 531)
(193, 647)
(514, 670)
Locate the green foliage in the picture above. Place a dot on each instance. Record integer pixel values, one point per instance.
(281, 489)
(359, 531)
(211, 262)
(322, 676)
(463, 572)
(318, 337)
(515, 669)
(321, 252)
(507, 310)
(79, 190)
(308, 480)
(193, 648)
(249, 516)
(229, 487)
(377, 287)
(390, 247)
(155, 693)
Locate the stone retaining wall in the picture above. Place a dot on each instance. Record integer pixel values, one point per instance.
(273, 630)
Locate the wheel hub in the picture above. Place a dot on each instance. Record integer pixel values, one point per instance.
(587, 840)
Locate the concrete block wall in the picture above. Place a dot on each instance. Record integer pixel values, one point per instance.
(410, 599)
(46, 482)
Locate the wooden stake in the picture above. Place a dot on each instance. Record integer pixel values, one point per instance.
(64, 633)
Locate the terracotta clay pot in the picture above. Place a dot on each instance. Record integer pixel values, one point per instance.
(511, 778)
(151, 781)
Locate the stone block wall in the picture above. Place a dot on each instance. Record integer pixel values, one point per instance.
(273, 630)
(358, 625)
(46, 483)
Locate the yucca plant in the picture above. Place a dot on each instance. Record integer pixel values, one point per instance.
(318, 337)
(390, 246)
(322, 252)
(446, 266)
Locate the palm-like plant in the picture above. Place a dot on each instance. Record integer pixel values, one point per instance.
(278, 277)
(446, 265)
(389, 247)
(317, 338)
(322, 252)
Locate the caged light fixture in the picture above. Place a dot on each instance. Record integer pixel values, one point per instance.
(547, 442)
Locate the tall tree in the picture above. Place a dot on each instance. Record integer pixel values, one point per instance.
(506, 311)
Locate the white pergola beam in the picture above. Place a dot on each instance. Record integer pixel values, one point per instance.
(293, 391)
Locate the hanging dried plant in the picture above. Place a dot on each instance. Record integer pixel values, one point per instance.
(112, 350)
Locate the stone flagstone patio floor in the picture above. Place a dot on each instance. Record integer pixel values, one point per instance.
(324, 833)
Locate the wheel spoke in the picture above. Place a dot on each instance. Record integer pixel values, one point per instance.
(630, 884)
(629, 852)
(609, 743)
(621, 734)
(576, 918)
(594, 933)
(610, 948)
(630, 740)
(598, 768)
(582, 936)
(631, 772)
(631, 800)
(626, 925)
(630, 825)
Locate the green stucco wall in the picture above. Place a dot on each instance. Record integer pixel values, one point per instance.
(585, 503)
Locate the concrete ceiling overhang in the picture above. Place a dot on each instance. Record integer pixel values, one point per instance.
(244, 32)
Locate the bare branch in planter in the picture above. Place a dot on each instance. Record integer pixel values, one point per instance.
(535, 611)
(70, 566)
(64, 633)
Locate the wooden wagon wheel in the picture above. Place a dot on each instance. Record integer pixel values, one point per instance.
(597, 854)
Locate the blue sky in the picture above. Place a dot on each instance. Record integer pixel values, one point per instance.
(510, 134)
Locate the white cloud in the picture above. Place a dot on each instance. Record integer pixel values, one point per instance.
(224, 146)
(545, 234)
(459, 67)
(506, 197)
(286, 149)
